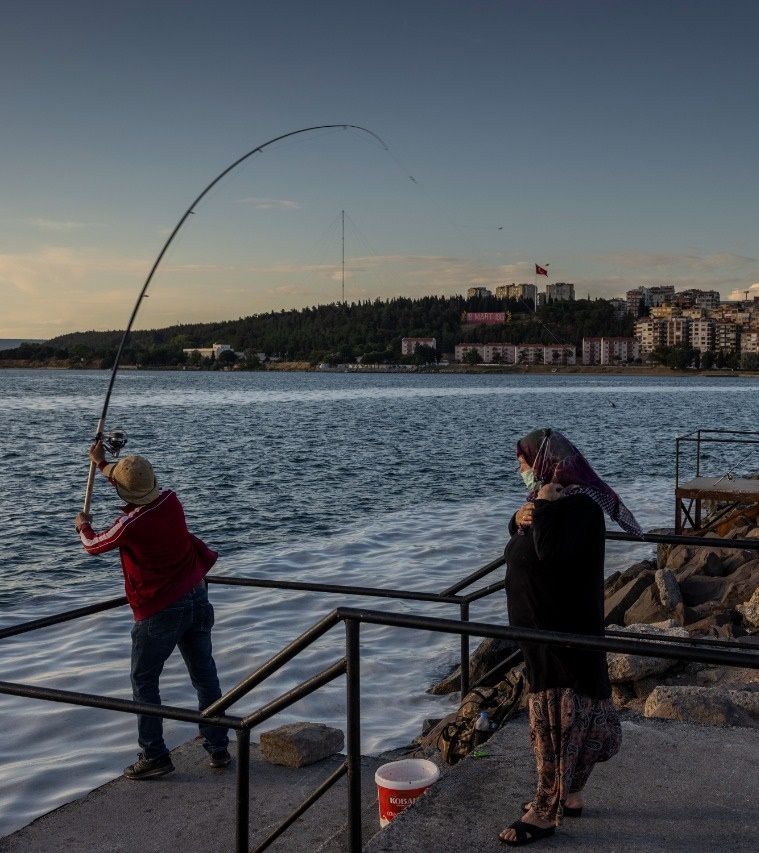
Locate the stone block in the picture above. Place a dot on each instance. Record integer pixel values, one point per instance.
(299, 744)
(669, 590)
(705, 561)
(617, 604)
(750, 610)
(734, 559)
(748, 700)
(698, 589)
(647, 608)
(678, 557)
(624, 667)
(707, 705)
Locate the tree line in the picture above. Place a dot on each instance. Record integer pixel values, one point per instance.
(341, 333)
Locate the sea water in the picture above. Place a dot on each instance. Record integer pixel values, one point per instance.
(381, 480)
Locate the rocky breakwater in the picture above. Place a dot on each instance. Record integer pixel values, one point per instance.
(690, 591)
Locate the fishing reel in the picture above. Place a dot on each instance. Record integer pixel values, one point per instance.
(114, 441)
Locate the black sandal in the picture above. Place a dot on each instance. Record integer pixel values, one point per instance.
(527, 833)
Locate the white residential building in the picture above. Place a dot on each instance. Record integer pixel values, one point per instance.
(606, 351)
(515, 354)
(702, 334)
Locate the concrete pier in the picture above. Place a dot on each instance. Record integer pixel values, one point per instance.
(674, 787)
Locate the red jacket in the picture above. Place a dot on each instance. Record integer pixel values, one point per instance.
(160, 558)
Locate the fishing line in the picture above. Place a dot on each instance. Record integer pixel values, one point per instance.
(462, 228)
(442, 210)
(143, 292)
(557, 339)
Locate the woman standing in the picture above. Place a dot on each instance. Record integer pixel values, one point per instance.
(555, 582)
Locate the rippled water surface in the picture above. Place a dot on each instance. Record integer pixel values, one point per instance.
(379, 480)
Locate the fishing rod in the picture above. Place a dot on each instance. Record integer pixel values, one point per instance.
(116, 440)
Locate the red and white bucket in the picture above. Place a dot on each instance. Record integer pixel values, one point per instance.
(399, 783)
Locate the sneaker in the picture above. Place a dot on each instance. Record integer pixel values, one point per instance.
(149, 768)
(220, 758)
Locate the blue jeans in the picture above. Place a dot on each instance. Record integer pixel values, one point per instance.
(186, 623)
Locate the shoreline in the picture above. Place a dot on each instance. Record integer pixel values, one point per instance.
(453, 369)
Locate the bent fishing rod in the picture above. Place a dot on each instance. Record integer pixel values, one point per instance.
(117, 439)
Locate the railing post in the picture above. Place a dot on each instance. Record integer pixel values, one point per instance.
(464, 666)
(698, 454)
(242, 806)
(353, 735)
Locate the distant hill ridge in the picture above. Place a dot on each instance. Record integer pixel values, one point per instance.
(377, 327)
(12, 343)
(370, 331)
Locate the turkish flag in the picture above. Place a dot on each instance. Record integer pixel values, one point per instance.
(540, 270)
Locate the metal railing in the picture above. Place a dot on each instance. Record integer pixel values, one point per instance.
(685, 649)
(701, 437)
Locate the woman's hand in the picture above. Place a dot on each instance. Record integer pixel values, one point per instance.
(550, 492)
(523, 515)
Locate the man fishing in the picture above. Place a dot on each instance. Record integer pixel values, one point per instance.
(164, 567)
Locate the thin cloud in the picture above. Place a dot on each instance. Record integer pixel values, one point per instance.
(270, 203)
(59, 225)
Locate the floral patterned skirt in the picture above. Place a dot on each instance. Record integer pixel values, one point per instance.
(570, 733)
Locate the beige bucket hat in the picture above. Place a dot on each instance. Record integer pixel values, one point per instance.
(134, 479)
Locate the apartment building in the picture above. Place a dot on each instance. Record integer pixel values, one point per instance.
(650, 297)
(515, 354)
(560, 291)
(527, 292)
(727, 336)
(677, 331)
(610, 350)
(702, 334)
(706, 299)
(651, 333)
(750, 341)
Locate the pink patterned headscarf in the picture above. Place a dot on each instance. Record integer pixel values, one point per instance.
(554, 459)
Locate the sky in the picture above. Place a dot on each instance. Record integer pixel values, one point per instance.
(613, 142)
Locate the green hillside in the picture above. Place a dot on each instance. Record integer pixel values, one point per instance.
(343, 332)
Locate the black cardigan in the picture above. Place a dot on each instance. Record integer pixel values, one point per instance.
(554, 581)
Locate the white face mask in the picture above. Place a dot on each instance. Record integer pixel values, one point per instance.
(530, 480)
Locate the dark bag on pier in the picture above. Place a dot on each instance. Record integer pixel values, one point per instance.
(456, 737)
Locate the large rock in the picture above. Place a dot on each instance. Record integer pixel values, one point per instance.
(648, 608)
(618, 603)
(705, 561)
(299, 744)
(708, 705)
(698, 589)
(626, 667)
(669, 590)
(677, 557)
(750, 610)
(741, 584)
(618, 580)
